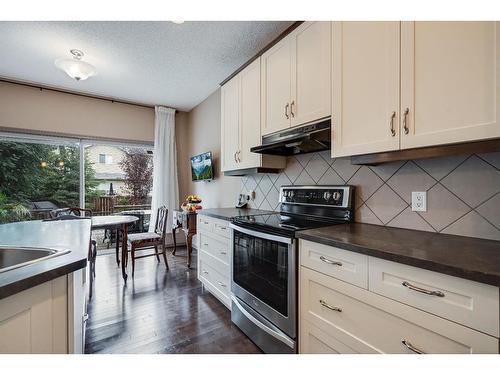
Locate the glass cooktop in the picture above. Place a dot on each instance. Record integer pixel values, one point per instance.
(283, 224)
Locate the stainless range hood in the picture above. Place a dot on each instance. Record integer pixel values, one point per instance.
(299, 140)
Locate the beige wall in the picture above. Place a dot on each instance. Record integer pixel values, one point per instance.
(45, 111)
(199, 131)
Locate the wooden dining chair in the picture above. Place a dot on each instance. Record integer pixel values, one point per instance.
(142, 241)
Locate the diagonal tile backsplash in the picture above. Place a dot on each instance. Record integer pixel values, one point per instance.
(463, 192)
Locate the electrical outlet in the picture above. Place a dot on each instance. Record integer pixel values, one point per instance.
(419, 201)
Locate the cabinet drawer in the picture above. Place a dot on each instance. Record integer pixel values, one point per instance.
(217, 282)
(204, 224)
(221, 228)
(341, 264)
(369, 323)
(463, 301)
(216, 248)
(313, 340)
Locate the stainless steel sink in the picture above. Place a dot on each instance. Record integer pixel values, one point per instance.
(12, 257)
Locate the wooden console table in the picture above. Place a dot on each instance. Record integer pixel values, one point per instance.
(186, 221)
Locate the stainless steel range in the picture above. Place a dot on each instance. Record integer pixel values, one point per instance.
(265, 262)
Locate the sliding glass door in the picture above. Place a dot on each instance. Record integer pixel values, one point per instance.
(39, 174)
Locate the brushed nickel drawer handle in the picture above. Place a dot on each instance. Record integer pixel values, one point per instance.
(205, 222)
(286, 111)
(436, 293)
(393, 116)
(205, 272)
(205, 244)
(405, 119)
(221, 284)
(223, 252)
(291, 108)
(328, 306)
(411, 347)
(332, 262)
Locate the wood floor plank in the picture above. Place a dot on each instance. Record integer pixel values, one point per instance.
(158, 311)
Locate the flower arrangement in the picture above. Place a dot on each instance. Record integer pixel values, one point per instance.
(192, 203)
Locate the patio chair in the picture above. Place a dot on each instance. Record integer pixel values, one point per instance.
(141, 241)
(76, 213)
(105, 206)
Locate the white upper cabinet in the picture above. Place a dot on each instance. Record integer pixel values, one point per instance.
(240, 122)
(230, 124)
(449, 82)
(311, 67)
(276, 87)
(250, 115)
(365, 87)
(296, 81)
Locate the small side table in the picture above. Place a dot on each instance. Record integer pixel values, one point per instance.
(186, 221)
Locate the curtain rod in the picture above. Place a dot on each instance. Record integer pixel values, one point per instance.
(64, 91)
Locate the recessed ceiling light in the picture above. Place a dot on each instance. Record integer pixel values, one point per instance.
(75, 67)
(178, 22)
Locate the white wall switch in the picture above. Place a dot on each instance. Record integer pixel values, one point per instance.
(419, 201)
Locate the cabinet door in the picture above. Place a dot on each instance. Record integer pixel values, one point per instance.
(35, 320)
(311, 72)
(449, 82)
(276, 86)
(250, 115)
(365, 87)
(230, 123)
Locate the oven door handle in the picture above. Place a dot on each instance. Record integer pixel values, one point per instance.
(269, 330)
(263, 235)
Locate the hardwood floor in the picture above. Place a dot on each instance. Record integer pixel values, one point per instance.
(158, 311)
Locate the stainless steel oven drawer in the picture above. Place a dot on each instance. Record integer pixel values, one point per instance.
(264, 334)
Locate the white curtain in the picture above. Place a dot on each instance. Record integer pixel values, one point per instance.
(165, 183)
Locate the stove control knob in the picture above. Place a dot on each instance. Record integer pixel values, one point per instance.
(327, 196)
(336, 195)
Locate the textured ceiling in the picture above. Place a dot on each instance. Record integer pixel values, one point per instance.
(146, 62)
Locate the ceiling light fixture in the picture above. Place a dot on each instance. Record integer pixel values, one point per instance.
(178, 22)
(75, 67)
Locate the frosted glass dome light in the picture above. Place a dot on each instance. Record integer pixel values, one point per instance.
(75, 67)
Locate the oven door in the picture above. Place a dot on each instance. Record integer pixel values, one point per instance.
(263, 275)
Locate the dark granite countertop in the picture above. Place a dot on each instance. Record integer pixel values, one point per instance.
(229, 213)
(73, 235)
(469, 258)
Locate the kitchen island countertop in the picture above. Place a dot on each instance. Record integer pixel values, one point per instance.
(72, 235)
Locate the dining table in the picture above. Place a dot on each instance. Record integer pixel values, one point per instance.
(120, 224)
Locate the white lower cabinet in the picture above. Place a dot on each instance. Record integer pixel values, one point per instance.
(47, 318)
(214, 256)
(338, 317)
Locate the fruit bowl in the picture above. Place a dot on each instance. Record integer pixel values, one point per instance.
(192, 204)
